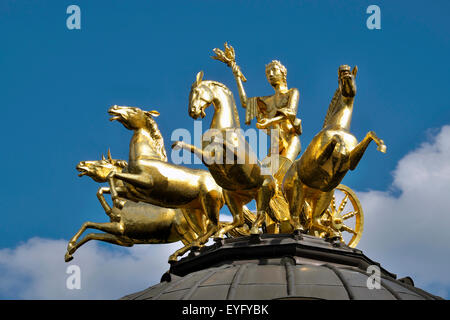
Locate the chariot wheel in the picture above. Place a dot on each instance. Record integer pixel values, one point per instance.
(347, 222)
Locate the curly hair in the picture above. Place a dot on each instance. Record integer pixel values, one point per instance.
(279, 65)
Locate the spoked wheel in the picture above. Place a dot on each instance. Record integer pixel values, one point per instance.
(346, 221)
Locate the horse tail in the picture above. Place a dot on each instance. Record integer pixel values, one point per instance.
(334, 104)
(249, 216)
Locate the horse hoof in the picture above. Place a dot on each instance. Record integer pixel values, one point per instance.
(196, 247)
(255, 238)
(172, 259)
(68, 257)
(333, 238)
(218, 236)
(382, 148)
(119, 204)
(254, 231)
(70, 248)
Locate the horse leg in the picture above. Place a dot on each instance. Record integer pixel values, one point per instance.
(115, 228)
(173, 257)
(143, 179)
(112, 214)
(102, 199)
(263, 196)
(109, 227)
(212, 202)
(110, 238)
(121, 191)
(249, 216)
(204, 238)
(357, 153)
(236, 208)
(206, 157)
(181, 228)
(198, 242)
(319, 204)
(113, 190)
(187, 236)
(328, 149)
(295, 196)
(293, 147)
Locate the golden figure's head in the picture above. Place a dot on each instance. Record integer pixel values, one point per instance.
(346, 78)
(98, 170)
(276, 73)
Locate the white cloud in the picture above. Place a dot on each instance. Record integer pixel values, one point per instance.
(36, 270)
(409, 233)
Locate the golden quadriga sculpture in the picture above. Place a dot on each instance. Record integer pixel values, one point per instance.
(155, 201)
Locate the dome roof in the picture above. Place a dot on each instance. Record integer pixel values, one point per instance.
(277, 267)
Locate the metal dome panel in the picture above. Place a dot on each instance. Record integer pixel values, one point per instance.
(277, 267)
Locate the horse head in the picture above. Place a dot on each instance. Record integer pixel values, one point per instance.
(205, 93)
(346, 80)
(200, 97)
(98, 170)
(132, 118)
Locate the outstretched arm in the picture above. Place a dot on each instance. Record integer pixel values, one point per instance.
(228, 57)
(242, 94)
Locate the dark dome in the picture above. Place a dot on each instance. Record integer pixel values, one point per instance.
(277, 267)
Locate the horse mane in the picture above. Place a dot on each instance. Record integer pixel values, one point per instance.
(156, 135)
(230, 93)
(334, 104)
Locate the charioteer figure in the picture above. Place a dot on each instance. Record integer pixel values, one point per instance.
(275, 112)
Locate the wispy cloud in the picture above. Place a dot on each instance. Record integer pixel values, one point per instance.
(407, 232)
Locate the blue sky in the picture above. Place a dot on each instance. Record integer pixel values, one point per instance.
(57, 84)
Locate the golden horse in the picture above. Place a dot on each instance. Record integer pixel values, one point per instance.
(227, 154)
(164, 184)
(135, 223)
(309, 183)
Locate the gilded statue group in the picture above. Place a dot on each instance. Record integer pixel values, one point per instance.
(155, 201)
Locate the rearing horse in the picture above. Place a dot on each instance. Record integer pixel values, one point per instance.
(309, 183)
(136, 223)
(227, 154)
(160, 183)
